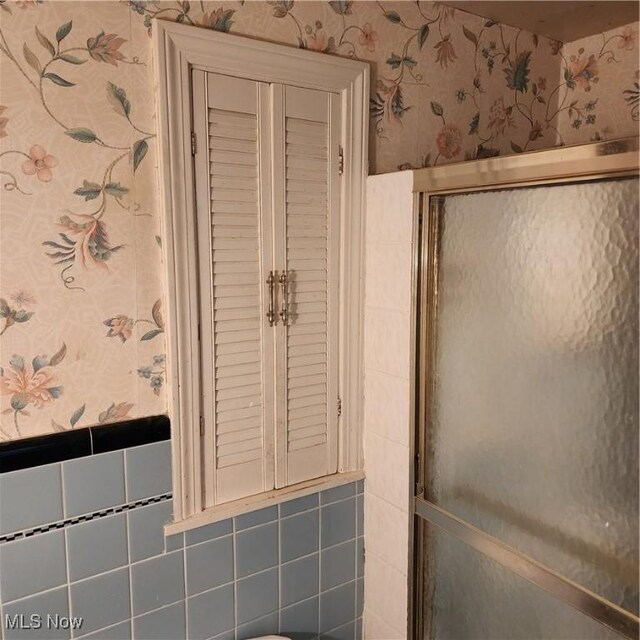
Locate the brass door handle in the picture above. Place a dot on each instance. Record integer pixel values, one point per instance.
(271, 312)
(284, 303)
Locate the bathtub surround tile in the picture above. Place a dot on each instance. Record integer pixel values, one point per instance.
(299, 504)
(299, 535)
(299, 580)
(338, 493)
(345, 632)
(360, 515)
(338, 523)
(227, 635)
(146, 530)
(388, 279)
(31, 565)
(120, 631)
(360, 557)
(378, 629)
(387, 341)
(93, 483)
(130, 433)
(337, 565)
(387, 407)
(208, 532)
(30, 497)
(28, 453)
(300, 621)
(254, 518)
(390, 464)
(256, 549)
(261, 627)
(386, 196)
(257, 596)
(44, 450)
(209, 565)
(97, 546)
(360, 486)
(171, 543)
(387, 533)
(157, 582)
(358, 633)
(359, 596)
(210, 613)
(386, 592)
(162, 624)
(337, 607)
(102, 601)
(186, 581)
(148, 470)
(53, 602)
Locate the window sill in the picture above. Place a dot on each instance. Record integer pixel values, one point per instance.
(260, 501)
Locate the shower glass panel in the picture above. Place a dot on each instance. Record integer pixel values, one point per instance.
(506, 606)
(535, 404)
(527, 518)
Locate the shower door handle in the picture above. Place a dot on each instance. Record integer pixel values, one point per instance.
(271, 312)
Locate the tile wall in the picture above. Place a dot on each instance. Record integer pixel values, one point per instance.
(387, 450)
(84, 538)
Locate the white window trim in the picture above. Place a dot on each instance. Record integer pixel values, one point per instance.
(178, 49)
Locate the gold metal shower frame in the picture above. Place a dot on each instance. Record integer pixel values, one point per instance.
(580, 163)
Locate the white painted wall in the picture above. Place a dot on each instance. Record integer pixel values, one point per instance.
(389, 250)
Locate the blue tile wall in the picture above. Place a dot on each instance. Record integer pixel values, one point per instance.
(84, 538)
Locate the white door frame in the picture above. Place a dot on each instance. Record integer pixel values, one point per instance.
(178, 50)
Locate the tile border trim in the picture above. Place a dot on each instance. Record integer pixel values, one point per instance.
(60, 524)
(26, 453)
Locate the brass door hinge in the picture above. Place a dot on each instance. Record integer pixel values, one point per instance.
(339, 407)
(340, 160)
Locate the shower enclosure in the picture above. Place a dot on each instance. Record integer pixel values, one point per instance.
(526, 477)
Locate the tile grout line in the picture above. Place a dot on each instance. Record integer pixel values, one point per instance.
(111, 626)
(279, 551)
(91, 441)
(128, 537)
(66, 540)
(355, 567)
(235, 580)
(126, 515)
(184, 578)
(320, 510)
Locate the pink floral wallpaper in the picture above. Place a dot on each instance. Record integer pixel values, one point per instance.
(81, 318)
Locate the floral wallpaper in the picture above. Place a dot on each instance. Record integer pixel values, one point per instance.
(81, 318)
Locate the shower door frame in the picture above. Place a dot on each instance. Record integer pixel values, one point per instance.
(580, 163)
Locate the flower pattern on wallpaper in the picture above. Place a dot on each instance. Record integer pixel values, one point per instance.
(16, 311)
(80, 230)
(154, 372)
(32, 384)
(115, 412)
(122, 326)
(83, 241)
(440, 38)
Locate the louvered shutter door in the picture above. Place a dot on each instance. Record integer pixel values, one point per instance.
(233, 180)
(306, 190)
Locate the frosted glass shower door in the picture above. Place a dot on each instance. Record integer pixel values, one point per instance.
(532, 418)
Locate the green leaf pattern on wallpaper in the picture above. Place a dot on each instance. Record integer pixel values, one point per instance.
(78, 158)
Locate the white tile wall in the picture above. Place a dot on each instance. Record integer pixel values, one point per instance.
(388, 282)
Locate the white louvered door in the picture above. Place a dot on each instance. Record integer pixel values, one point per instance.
(234, 254)
(306, 191)
(267, 190)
